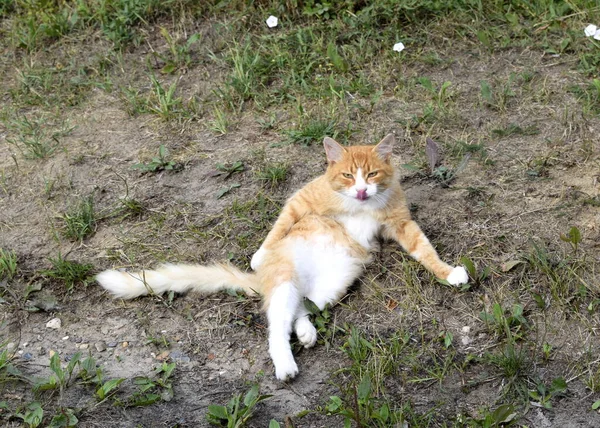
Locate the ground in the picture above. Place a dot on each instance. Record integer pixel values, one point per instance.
(178, 134)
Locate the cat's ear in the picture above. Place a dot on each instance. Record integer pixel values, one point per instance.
(385, 147)
(333, 150)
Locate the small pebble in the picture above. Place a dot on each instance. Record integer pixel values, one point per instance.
(125, 344)
(10, 346)
(163, 356)
(84, 346)
(65, 338)
(111, 344)
(27, 356)
(54, 323)
(179, 356)
(51, 353)
(100, 346)
(466, 329)
(466, 340)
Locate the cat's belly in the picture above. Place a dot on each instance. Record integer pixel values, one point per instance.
(325, 266)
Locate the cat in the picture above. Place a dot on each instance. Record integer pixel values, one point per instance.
(318, 246)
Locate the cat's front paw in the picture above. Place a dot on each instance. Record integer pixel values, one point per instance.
(458, 276)
(285, 368)
(258, 258)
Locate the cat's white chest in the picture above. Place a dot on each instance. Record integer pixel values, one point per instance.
(362, 227)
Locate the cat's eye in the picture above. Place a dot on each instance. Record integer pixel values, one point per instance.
(372, 174)
(347, 175)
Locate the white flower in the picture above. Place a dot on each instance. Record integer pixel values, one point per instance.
(597, 34)
(399, 47)
(272, 21)
(590, 30)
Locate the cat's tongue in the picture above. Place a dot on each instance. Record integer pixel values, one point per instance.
(361, 195)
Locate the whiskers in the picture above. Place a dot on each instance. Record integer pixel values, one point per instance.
(379, 199)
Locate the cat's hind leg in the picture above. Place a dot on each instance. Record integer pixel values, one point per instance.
(281, 313)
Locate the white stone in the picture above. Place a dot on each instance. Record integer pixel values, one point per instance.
(272, 21)
(65, 338)
(54, 323)
(466, 329)
(465, 340)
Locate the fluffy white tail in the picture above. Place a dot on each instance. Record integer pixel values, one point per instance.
(178, 278)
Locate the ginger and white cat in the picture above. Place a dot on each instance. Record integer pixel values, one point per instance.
(318, 246)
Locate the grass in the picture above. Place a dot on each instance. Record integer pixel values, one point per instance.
(162, 100)
(36, 137)
(80, 221)
(508, 93)
(69, 272)
(8, 264)
(313, 132)
(178, 56)
(273, 174)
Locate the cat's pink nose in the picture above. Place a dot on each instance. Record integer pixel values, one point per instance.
(361, 194)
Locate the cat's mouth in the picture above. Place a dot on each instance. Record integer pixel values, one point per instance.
(361, 195)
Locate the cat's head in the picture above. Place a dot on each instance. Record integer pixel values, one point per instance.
(361, 173)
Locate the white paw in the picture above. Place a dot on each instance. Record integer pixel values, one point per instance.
(306, 332)
(458, 276)
(258, 258)
(285, 368)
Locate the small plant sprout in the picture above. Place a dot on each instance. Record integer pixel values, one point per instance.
(272, 21)
(237, 412)
(32, 414)
(573, 238)
(108, 388)
(543, 394)
(547, 350)
(230, 169)
(446, 337)
(158, 163)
